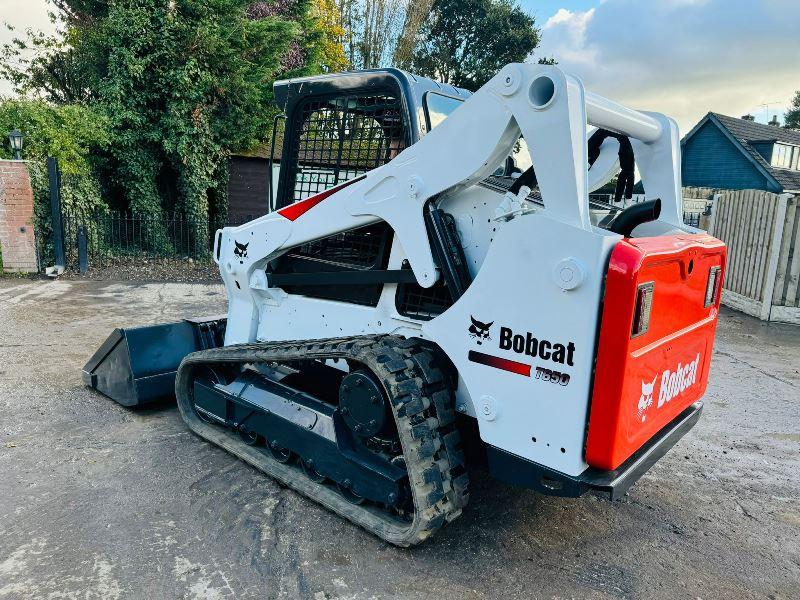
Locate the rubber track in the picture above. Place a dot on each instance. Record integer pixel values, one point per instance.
(423, 407)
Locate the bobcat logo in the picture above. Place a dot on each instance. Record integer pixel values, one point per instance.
(479, 331)
(240, 251)
(646, 399)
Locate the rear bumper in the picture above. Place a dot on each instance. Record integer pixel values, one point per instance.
(519, 471)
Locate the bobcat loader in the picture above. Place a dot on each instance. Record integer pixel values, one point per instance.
(434, 288)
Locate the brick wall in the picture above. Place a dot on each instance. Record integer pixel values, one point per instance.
(16, 217)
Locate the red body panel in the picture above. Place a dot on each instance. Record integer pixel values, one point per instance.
(298, 209)
(642, 384)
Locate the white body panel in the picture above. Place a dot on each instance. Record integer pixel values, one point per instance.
(516, 289)
(537, 271)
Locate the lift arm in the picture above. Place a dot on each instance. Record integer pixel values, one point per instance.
(548, 107)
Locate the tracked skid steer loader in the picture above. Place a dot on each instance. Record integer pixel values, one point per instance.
(431, 288)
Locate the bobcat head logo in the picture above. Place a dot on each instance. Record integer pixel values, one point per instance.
(240, 251)
(646, 399)
(479, 331)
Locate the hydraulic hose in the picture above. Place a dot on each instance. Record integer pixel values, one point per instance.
(627, 164)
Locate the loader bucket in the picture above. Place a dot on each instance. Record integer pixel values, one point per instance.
(137, 365)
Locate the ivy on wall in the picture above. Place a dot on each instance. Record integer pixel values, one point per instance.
(182, 83)
(170, 89)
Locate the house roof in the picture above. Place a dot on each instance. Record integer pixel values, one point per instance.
(758, 132)
(747, 133)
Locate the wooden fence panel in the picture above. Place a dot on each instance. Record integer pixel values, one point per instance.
(746, 221)
(752, 274)
(761, 247)
(787, 281)
(752, 210)
(740, 230)
(762, 232)
(788, 243)
(740, 226)
(696, 193)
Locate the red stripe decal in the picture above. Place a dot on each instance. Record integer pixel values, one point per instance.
(298, 209)
(500, 363)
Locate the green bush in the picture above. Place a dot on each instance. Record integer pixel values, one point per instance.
(73, 134)
(76, 136)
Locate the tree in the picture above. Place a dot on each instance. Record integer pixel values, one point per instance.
(74, 134)
(466, 42)
(45, 66)
(318, 45)
(416, 13)
(327, 19)
(792, 117)
(373, 29)
(181, 83)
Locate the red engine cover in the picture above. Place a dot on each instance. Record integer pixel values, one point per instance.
(643, 383)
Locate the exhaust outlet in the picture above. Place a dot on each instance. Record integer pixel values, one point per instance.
(633, 216)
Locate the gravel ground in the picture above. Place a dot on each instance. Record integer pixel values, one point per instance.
(150, 270)
(97, 501)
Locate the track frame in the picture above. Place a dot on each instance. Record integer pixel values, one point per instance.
(413, 375)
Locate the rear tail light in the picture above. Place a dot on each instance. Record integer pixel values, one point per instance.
(644, 303)
(712, 286)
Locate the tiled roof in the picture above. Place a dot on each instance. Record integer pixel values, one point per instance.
(789, 179)
(747, 132)
(750, 131)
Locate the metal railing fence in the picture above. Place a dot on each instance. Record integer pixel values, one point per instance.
(103, 238)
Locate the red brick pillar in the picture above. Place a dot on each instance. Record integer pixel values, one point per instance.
(16, 218)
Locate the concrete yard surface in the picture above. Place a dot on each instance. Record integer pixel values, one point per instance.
(100, 501)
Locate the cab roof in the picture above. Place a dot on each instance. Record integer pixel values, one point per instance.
(412, 86)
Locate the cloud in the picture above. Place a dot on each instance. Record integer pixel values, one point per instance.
(683, 57)
(571, 26)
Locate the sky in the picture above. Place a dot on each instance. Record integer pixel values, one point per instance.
(680, 57)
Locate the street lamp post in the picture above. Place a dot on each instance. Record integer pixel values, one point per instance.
(16, 138)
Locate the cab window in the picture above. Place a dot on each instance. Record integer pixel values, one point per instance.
(438, 107)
